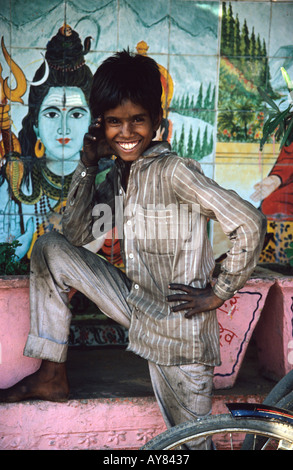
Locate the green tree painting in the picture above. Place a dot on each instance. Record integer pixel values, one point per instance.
(193, 147)
(200, 105)
(244, 68)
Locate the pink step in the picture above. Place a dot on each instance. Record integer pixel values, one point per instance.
(94, 424)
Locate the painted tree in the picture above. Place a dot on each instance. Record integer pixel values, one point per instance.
(244, 42)
(230, 32)
(237, 37)
(181, 143)
(207, 99)
(198, 103)
(197, 146)
(205, 142)
(174, 143)
(224, 29)
(189, 151)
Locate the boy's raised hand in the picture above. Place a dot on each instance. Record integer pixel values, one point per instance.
(95, 145)
(195, 300)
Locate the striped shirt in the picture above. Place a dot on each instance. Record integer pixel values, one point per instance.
(162, 219)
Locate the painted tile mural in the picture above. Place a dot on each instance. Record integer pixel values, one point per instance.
(213, 56)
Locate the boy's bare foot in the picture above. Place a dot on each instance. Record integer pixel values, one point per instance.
(48, 383)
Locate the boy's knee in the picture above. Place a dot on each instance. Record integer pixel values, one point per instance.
(47, 244)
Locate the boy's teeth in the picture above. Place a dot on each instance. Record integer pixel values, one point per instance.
(128, 145)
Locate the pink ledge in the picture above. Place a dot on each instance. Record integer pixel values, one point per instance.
(274, 332)
(237, 320)
(14, 328)
(95, 424)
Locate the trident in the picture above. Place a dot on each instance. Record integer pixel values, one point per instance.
(9, 141)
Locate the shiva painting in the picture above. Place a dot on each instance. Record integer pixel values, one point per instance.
(45, 155)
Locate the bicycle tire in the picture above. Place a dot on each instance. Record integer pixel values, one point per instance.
(212, 425)
(278, 398)
(280, 390)
(286, 402)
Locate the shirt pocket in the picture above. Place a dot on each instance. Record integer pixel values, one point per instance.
(156, 230)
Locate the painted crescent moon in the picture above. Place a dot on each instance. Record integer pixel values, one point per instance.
(44, 78)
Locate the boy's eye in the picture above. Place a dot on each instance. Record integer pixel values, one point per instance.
(138, 119)
(112, 121)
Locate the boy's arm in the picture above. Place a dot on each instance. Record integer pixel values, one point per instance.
(244, 225)
(77, 219)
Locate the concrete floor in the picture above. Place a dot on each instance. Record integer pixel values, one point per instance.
(107, 373)
(113, 373)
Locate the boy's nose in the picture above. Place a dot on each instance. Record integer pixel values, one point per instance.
(126, 129)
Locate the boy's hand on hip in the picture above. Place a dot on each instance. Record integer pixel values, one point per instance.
(195, 300)
(95, 145)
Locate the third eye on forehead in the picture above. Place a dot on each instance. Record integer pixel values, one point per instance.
(64, 97)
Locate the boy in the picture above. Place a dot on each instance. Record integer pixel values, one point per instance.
(161, 203)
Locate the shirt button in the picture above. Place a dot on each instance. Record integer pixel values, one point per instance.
(83, 174)
(120, 191)
(136, 286)
(128, 222)
(131, 256)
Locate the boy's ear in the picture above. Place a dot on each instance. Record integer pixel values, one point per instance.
(158, 120)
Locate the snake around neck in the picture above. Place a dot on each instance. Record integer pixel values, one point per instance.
(43, 181)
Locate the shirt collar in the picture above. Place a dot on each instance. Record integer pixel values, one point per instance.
(156, 148)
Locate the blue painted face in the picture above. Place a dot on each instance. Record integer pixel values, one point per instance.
(63, 120)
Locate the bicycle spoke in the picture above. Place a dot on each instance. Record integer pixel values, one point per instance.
(231, 441)
(254, 442)
(265, 444)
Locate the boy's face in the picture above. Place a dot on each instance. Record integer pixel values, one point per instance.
(129, 130)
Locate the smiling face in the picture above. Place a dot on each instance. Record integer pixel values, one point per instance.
(129, 130)
(63, 120)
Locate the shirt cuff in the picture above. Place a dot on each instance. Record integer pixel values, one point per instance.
(224, 290)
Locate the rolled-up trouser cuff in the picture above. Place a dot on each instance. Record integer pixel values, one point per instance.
(46, 349)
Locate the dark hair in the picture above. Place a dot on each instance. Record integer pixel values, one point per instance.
(126, 76)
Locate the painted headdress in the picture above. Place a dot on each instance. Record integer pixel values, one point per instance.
(65, 51)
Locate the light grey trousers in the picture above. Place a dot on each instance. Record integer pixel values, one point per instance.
(183, 392)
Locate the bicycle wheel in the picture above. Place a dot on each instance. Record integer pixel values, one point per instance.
(226, 432)
(280, 390)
